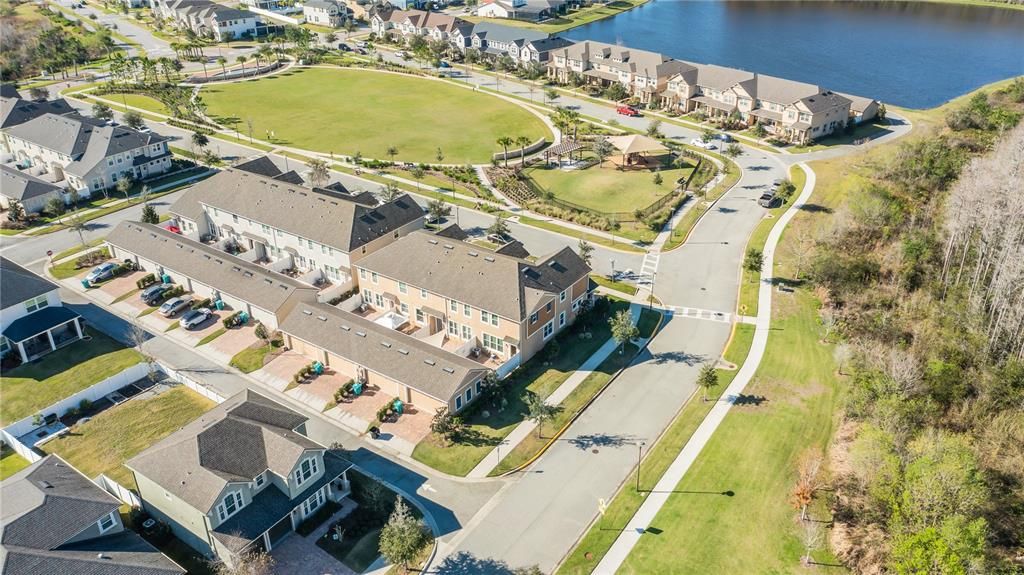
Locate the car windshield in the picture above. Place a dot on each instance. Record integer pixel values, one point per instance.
(191, 314)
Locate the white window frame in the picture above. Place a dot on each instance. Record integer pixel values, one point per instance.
(37, 303)
(453, 328)
(303, 473)
(423, 293)
(549, 329)
(223, 514)
(113, 522)
(313, 502)
(561, 319)
(467, 332)
(402, 287)
(260, 480)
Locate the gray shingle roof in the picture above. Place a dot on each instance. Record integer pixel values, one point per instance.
(17, 284)
(509, 286)
(107, 141)
(642, 62)
(391, 353)
(49, 503)
(235, 441)
(328, 219)
(250, 282)
(501, 33)
(22, 186)
(15, 110)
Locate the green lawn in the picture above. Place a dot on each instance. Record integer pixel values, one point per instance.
(212, 336)
(753, 454)
(872, 130)
(10, 462)
(28, 388)
(607, 189)
(623, 287)
(483, 433)
(78, 248)
(140, 101)
(657, 459)
(105, 442)
(572, 20)
(345, 111)
(65, 270)
(252, 358)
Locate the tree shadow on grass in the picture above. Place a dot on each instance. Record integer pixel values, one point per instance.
(472, 437)
(816, 209)
(744, 400)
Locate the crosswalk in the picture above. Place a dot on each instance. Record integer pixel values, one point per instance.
(648, 268)
(697, 313)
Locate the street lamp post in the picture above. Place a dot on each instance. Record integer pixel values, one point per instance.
(639, 455)
(650, 299)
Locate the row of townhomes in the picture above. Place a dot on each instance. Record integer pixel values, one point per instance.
(415, 313)
(48, 149)
(528, 10)
(791, 110)
(209, 19)
(488, 39)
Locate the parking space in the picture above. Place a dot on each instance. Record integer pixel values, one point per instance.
(319, 391)
(231, 342)
(196, 334)
(278, 372)
(115, 288)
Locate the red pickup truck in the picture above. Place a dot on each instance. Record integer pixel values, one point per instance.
(628, 111)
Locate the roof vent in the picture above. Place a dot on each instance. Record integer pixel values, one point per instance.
(386, 344)
(473, 254)
(45, 485)
(218, 260)
(236, 269)
(449, 247)
(429, 362)
(448, 370)
(361, 333)
(307, 312)
(268, 280)
(433, 242)
(346, 328)
(403, 351)
(207, 256)
(321, 317)
(247, 274)
(488, 259)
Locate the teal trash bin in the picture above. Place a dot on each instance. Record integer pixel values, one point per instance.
(165, 278)
(318, 368)
(397, 406)
(243, 318)
(86, 284)
(357, 388)
(219, 304)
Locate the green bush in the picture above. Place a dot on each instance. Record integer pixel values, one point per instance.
(231, 320)
(201, 303)
(146, 281)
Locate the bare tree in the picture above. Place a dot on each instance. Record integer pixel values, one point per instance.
(811, 538)
(138, 336)
(252, 564)
(808, 472)
(800, 248)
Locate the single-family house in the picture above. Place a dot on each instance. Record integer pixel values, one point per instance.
(528, 10)
(290, 226)
(240, 478)
(55, 521)
(30, 192)
(86, 152)
(461, 297)
(409, 23)
(330, 13)
(209, 272)
(492, 40)
(33, 319)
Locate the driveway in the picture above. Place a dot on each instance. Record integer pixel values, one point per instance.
(110, 290)
(298, 554)
(231, 342)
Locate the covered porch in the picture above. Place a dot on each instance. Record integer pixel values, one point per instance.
(712, 107)
(42, 332)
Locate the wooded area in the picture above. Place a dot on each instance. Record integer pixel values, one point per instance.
(922, 277)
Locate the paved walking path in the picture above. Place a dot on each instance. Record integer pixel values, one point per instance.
(524, 429)
(657, 498)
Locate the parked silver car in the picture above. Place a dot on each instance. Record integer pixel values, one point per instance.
(194, 318)
(102, 272)
(174, 305)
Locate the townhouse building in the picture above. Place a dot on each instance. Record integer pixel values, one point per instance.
(240, 478)
(83, 153)
(55, 521)
(454, 295)
(32, 193)
(794, 111)
(318, 232)
(409, 23)
(17, 110)
(492, 40)
(210, 19)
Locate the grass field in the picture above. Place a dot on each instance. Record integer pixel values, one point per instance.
(10, 462)
(140, 101)
(607, 189)
(33, 386)
(345, 111)
(105, 442)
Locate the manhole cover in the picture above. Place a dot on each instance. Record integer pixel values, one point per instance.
(594, 450)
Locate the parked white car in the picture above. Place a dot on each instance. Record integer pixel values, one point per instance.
(702, 144)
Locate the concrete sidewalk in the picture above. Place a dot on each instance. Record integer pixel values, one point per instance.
(513, 439)
(658, 496)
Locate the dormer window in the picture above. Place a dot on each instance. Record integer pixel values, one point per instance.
(260, 480)
(229, 506)
(107, 522)
(308, 468)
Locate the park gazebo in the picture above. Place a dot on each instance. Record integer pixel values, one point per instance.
(635, 148)
(564, 148)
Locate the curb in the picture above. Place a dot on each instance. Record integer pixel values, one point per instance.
(579, 412)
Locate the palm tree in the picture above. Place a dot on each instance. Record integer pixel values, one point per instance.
(75, 223)
(319, 173)
(242, 60)
(266, 52)
(505, 142)
(522, 142)
(223, 62)
(199, 140)
(392, 151)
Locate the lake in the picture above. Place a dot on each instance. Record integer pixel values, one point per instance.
(911, 54)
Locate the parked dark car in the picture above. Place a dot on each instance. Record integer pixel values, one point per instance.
(344, 47)
(154, 294)
(766, 200)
